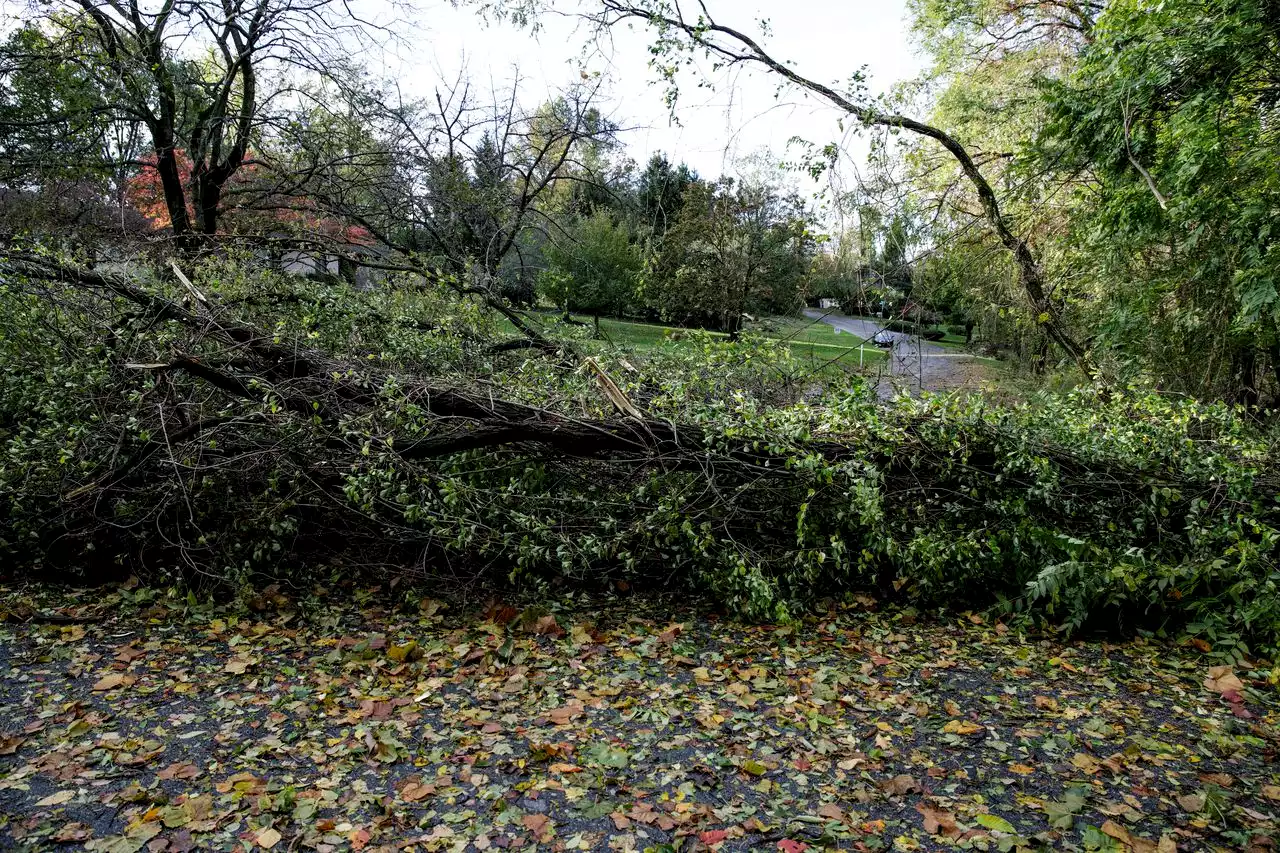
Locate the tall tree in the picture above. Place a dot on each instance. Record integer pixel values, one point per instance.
(732, 250)
(64, 159)
(1172, 114)
(209, 110)
(661, 190)
(596, 268)
(476, 183)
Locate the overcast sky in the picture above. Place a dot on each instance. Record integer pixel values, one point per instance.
(826, 39)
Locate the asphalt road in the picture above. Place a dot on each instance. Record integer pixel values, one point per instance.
(913, 363)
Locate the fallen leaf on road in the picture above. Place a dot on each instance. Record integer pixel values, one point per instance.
(1221, 679)
(238, 665)
(996, 824)
(937, 821)
(538, 824)
(901, 784)
(180, 770)
(112, 680)
(564, 715)
(1191, 803)
(961, 727)
(712, 837)
(415, 791)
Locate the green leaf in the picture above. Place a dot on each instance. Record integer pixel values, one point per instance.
(609, 756)
(996, 824)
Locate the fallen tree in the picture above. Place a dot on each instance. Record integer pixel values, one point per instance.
(165, 428)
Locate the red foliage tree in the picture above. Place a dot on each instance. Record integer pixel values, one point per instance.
(266, 214)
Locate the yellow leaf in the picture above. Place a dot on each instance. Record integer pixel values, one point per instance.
(268, 838)
(1022, 769)
(961, 727)
(112, 680)
(57, 799)
(407, 652)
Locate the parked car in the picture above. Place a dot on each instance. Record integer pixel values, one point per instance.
(884, 339)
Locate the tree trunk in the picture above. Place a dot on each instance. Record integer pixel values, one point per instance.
(1245, 362)
(347, 269)
(175, 196)
(206, 196)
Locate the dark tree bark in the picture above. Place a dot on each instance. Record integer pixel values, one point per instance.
(213, 118)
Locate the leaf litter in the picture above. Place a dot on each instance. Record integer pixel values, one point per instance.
(636, 725)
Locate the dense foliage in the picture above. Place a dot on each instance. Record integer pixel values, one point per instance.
(1172, 109)
(731, 251)
(1102, 202)
(597, 270)
(138, 441)
(1136, 142)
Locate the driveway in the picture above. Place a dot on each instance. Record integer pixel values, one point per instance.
(913, 363)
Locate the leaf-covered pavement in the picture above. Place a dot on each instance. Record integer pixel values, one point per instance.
(637, 726)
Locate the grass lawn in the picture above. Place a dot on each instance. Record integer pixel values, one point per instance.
(951, 342)
(804, 330)
(816, 343)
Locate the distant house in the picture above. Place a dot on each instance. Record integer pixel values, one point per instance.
(345, 263)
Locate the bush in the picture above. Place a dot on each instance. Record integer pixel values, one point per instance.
(903, 326)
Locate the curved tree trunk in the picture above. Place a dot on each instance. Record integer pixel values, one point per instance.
(734, 47)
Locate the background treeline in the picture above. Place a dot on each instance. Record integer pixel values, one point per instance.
(541, 204)
(1131, 149)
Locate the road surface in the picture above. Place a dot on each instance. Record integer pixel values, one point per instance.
(913, 364)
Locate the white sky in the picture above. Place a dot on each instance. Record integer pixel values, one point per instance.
(827, 40)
